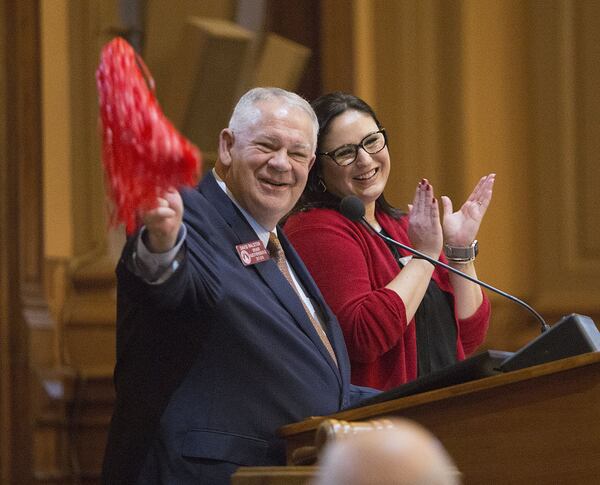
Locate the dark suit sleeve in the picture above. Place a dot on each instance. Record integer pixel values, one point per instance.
(360, 393)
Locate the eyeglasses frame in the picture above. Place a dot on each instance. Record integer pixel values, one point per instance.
(357, 146)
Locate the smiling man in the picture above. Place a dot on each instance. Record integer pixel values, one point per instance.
(265, 156)
(222, 335)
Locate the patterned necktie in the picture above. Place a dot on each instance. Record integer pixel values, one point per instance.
(276, 251)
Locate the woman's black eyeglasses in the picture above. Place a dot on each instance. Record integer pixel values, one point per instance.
(346, 154)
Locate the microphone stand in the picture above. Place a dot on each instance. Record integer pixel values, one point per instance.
(435, 262)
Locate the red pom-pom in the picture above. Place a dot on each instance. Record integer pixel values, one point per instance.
(142, 152)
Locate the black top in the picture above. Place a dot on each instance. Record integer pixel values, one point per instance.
(436, 327)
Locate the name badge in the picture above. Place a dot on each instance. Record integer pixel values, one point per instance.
(252, 252)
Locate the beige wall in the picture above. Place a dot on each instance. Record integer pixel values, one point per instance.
(74, 211)
(56, 95)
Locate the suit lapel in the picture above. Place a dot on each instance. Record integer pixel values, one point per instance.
(268, 270)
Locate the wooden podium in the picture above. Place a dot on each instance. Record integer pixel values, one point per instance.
(535, 425)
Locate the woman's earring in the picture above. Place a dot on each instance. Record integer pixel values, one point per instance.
(321, 185)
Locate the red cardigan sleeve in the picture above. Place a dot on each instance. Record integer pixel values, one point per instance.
(339, 255)
(472, 330)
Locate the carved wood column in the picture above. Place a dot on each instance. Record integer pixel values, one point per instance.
(21, 237)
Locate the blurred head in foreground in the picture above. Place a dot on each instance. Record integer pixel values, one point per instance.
(405, 454)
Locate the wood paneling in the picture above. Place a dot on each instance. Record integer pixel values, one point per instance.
(289, 475)
(165, 22)
(201, 91)
(9, 302)
(21, 234)
(535, 425)
(337, 45)
(299, 22)
(566, 66)
(87, 31)
(290, 58)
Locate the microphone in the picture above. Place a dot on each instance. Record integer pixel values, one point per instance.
(354, 209)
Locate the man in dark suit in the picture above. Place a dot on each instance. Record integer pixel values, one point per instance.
(219, 341)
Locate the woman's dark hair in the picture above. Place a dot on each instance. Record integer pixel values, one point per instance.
(327, 108)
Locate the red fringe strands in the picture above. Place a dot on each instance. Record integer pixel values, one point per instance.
(142, 152)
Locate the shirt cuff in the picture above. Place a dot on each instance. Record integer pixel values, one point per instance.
(156, 268)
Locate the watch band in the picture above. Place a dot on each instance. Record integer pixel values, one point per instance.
(457, 254)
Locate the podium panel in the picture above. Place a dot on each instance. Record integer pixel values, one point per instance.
(535, 425)
(274, 475)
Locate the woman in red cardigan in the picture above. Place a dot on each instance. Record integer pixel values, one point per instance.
(402, 317)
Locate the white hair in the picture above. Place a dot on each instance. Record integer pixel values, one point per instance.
(246, 111)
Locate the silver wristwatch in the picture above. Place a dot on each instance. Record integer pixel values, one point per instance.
(457, 254)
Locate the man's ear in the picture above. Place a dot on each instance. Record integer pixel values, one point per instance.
(226, 139)
(312, 162)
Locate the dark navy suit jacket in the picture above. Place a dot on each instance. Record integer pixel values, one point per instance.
(213, 361)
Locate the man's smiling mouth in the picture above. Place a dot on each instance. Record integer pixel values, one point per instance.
(274, 183)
